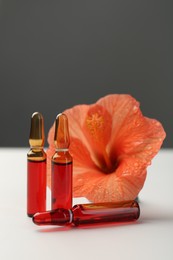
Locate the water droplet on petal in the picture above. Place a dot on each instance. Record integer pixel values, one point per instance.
(137, 123)
(157, 124)
(135, 109)
(136, 164)
(80, 182)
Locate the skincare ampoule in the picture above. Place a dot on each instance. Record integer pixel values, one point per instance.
(61, 172)
(90, 214)
(36, 167)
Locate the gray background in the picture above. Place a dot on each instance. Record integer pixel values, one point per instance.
(56, 54)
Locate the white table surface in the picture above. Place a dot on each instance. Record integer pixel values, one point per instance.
(151, 237)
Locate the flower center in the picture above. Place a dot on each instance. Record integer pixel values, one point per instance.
(95, 125)
(98, 131)
(105, 164)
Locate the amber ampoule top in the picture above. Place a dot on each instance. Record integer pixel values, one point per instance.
(36, 137)
(61, 137)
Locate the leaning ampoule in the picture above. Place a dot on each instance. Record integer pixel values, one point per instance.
(61, 174)
(90, 214)
(36, 167)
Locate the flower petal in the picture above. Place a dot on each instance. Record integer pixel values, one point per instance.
(81, 156)
(132, 133)
(123, 184)
(110, 135)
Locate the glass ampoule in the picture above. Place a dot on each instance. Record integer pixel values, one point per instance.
(61, 171)
(93, 214)
(36, 167)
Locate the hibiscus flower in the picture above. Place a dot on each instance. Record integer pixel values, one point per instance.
(112, 144)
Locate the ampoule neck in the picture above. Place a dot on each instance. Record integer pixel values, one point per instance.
(61, 150)
(36, 148)
(62, 157)
(36, 154)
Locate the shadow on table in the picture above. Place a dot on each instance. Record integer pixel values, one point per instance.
(98, 226)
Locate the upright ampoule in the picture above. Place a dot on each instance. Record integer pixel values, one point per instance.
(36, 167)
(90, 214)
(61, 172)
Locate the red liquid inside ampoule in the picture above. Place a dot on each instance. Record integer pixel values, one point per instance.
(101, 213)
(94, 214)
(36, 187)
(61, 182)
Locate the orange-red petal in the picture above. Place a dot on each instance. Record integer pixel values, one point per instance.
(123, 184)
(112, 144)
